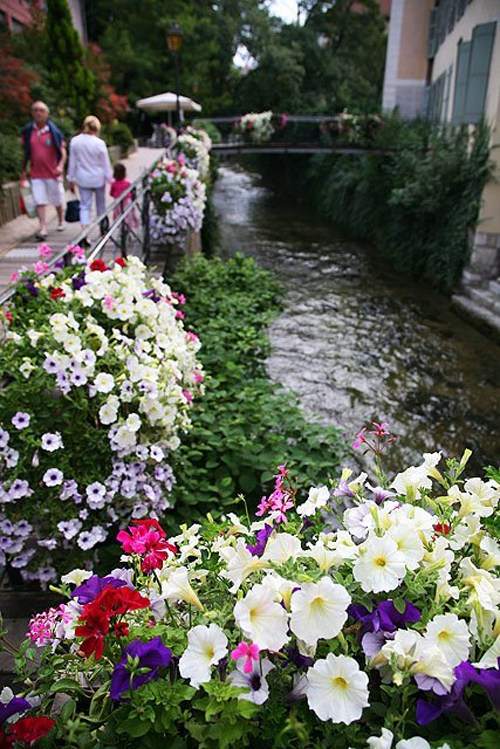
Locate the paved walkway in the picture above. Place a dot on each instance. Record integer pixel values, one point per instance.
(18, 245)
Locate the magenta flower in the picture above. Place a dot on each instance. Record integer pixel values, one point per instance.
(248, 652)
(380, 430)
(44, 251)
(41, 267)
(360, 439)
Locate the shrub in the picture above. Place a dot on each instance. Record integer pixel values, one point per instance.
(10, 157)
(245, 423)
(121, 135)
(418, 200)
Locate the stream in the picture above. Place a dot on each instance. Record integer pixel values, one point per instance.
(356, 341)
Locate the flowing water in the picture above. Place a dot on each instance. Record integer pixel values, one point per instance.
(357, 341)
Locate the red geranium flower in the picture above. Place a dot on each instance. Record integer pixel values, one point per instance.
(148, 541)
(121, 262)
(96, 616)
(442, 528)
(8, 315)
(57, 293)
(121, 629)
(99, 265)
(30, 730)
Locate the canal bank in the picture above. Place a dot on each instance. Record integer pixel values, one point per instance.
(356, 340)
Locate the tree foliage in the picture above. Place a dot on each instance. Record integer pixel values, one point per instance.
(16, 80)
(64, 56)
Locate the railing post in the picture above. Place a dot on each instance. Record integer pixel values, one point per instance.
(123, 233)
(146, 239)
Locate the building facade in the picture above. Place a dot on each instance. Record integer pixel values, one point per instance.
(15, 14)
(443, 62)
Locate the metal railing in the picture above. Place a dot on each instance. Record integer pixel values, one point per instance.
(115, 226)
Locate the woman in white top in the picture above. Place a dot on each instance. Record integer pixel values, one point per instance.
(89, 168)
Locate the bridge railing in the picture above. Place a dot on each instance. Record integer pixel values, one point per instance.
(124, 227)
(343, 130)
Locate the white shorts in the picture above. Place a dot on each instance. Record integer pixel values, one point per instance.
(47, 191)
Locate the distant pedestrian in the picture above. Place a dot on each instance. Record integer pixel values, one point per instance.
(45, 151)
(119, 185)
(89, 168)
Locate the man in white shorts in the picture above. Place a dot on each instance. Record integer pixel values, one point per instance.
(45, 150)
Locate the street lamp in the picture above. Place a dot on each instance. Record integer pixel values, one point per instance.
(174, 44)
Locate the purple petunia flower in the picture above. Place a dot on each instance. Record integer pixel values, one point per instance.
(90, 589)
(77, 282)
(384, 617)
(14, 706)
(453, 701)
(53, 477)
(262, 537)
(377, 626)
(151, 655)
(21, 420)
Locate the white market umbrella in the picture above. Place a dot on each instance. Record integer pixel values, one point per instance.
(167, 102)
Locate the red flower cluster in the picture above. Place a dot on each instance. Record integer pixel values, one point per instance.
(57, 293)
(147, 540)
(28, 730)
(121, 262)
(442, 529)
(99, 265)
(96, 617)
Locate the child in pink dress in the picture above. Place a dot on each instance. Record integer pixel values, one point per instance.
(118, 187)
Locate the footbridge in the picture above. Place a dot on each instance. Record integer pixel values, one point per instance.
(342, 134)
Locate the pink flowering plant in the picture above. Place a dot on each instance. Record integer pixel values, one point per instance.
(98, 379)
(355, 614)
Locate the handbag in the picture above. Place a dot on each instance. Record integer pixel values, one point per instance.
(72, 211)
(26, 203)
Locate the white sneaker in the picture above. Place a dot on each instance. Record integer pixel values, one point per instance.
(61, 226)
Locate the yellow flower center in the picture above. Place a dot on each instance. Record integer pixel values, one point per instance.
(339, 682)
(444, 635)
(380, 561)
(317, 604)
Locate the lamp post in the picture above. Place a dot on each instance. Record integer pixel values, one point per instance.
(174, 44)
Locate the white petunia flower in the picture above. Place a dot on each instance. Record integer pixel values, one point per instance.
(360, 520)
(104, 382)
(408, 543)
(316, 499)
(409, 483)
(451, 636)
(384, 741)
(206, 647)
(240, 563)
(416, 742)
(255, 681)
(262, 619)
(337, 689)
(380, 565)
(178, 588)
(76, 577)
(281, 547)
(319, 610)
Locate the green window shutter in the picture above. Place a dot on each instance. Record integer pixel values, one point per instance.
(479, 71)
(463, 55)
(431, 42)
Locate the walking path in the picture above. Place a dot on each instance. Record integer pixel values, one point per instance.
(18, 245)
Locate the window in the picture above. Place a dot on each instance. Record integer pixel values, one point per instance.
(479, 71)
(473, 72)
